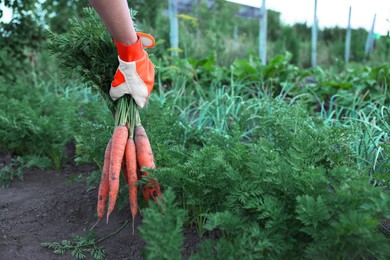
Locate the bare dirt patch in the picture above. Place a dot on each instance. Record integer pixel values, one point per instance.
(45, 207)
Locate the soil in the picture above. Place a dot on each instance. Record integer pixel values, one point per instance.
(45, 207)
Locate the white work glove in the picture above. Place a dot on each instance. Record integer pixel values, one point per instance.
(135, 74)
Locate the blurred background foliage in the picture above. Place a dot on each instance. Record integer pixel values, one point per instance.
(227, 30)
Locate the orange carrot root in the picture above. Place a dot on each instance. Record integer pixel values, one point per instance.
(104, 183)
(118, 144)
(143, 148)
(131, 162)
(145, 159)
(123, 167)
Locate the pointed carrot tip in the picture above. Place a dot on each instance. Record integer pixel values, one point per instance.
(133, 226)
(108, 215)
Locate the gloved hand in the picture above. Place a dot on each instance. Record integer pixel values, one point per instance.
(135, 74)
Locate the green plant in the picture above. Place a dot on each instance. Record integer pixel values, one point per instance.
(272, 193)
(373, 138)
(90, 147)
(18, 166)
(368, 120)
(42, 120)
(279, 158)
(162, 228)
(75, 179)
(93, 179)
(82, 246)
(88, 44)
(20, 38)
(7, 174)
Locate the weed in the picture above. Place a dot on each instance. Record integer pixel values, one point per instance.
(7, 174)
(82, 246)
(18, 166)
(93, 179)
(75, 179)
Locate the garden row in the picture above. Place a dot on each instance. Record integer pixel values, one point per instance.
(281, 161)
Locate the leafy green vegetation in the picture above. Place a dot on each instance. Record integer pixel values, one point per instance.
(40, 118)
(18, 166)
(281, 161)
(277, 158)
(162, 229)
(286, 189)
(80, 247)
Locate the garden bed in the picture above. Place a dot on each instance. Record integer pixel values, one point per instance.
(46, 207)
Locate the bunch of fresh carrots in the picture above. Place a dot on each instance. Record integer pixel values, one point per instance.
(128, 149)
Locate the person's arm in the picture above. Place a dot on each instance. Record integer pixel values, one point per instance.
(116, 17)
(135, 73)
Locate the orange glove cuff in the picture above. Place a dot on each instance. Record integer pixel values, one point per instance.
(129, 53)
(133, 52)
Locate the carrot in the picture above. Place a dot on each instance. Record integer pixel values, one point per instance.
(123, 167)
(119, 139)
(150, 190)
(131, 163)
(139, 173)
(155, 188)
(144, 152)
(104, 183)
(145, 193)
(145, 159)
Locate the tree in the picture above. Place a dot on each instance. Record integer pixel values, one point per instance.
(21, 37)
